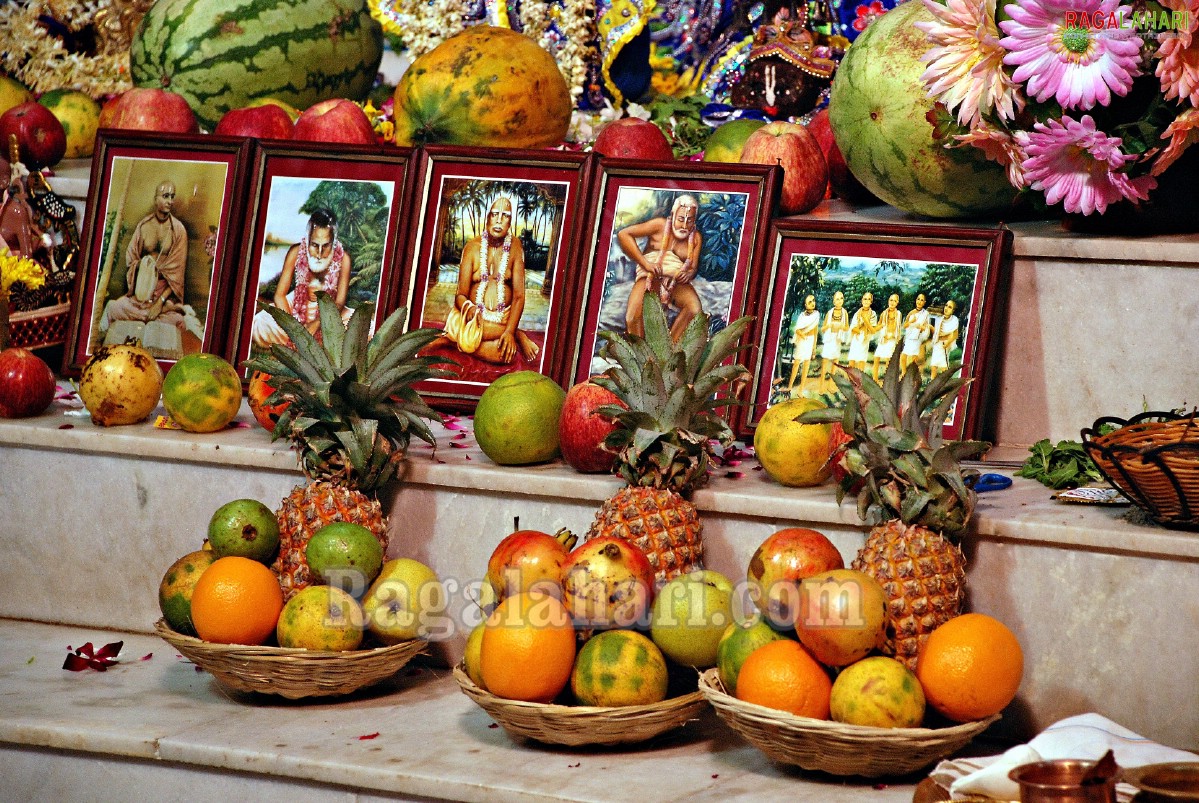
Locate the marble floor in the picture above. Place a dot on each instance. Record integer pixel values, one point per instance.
(413, 737)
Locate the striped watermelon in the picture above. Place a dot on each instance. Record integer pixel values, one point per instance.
(223, 55)
(877, 112)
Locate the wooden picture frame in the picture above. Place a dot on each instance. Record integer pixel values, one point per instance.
(896, 264)
(735, 205)
(457, 189)
(172, 297)
(356, 198)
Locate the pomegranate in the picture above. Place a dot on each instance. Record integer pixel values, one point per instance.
(607, 582)
(527, 559)
(26, 384)
(257, 393)
(778, 565)
(121, 384)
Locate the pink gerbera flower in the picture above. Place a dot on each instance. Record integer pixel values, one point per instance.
(1182, 133)
(1178, 55)
(998, 146)
(1059, 51)
(1078, 166)
(965, 66)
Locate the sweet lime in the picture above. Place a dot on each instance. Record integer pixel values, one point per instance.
(619, 667)
(244, 527)
(740, 639)
(345, 555)
(793, 454)
(80, 117)
(516, 419)
(472, 659)
(877, 691)
(725, 143)
(202, 392)
(12, 93)
(321, 618)
(175, 590)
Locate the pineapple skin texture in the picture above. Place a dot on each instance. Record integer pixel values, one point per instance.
(924, 577)
(307, 509)
(659, 522)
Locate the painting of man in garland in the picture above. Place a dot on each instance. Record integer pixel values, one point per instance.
(679, 246)
(492, 273)
(321, 236)
(865, 312)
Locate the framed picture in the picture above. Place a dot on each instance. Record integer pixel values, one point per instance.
(490, 262)
(840, 293)
(318, 220)
(162, 221)
(704, 223)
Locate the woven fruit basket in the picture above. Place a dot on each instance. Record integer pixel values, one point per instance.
(1153, 458)
(576, 725)
(817, 744)
(292, 673)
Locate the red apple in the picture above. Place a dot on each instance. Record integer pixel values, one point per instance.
(581, 431)
(633, 138)
(147, 109)
(782, 560)
(335, 120)
(26, 383)
(795, 149)
(41, 139)
(841, 182)
(265, 122)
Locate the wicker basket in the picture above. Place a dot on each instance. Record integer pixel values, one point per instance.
(817, 744)
(576, 725)
(292, 673)
(1153, 458)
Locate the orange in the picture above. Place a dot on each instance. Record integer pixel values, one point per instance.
(236, 601)
(970, 667)
(528, 648)
(782, 675)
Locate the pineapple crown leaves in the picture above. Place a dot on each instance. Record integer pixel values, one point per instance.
(664, 431)
(351, 405)
(897, 459)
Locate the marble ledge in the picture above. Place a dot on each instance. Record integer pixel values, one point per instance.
(413, 735)
(1041, 239)
(1025, 512)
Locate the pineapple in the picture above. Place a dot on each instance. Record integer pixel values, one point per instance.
(911, 487)
(664, 433)
(351, 412)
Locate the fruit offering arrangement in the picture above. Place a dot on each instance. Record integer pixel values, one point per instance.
(356, 621)
(311, 576)
(601, 623)
(813, 678)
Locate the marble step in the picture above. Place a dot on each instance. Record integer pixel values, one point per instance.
(154, 726)
(1107, 610)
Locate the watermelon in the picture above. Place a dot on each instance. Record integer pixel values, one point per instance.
(877, 111)
(225, 55)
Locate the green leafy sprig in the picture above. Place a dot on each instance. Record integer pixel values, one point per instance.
(1065, 465)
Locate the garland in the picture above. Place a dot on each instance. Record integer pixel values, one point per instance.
(33, 53)
(501, 302)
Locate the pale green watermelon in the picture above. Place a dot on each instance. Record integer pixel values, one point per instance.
(877, 112)
(223, 54)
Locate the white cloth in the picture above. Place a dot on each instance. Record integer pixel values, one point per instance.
(1086, 736)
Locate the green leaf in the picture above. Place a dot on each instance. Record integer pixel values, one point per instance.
(657, 330)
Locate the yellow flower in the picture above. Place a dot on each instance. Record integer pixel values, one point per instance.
(15, 268)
